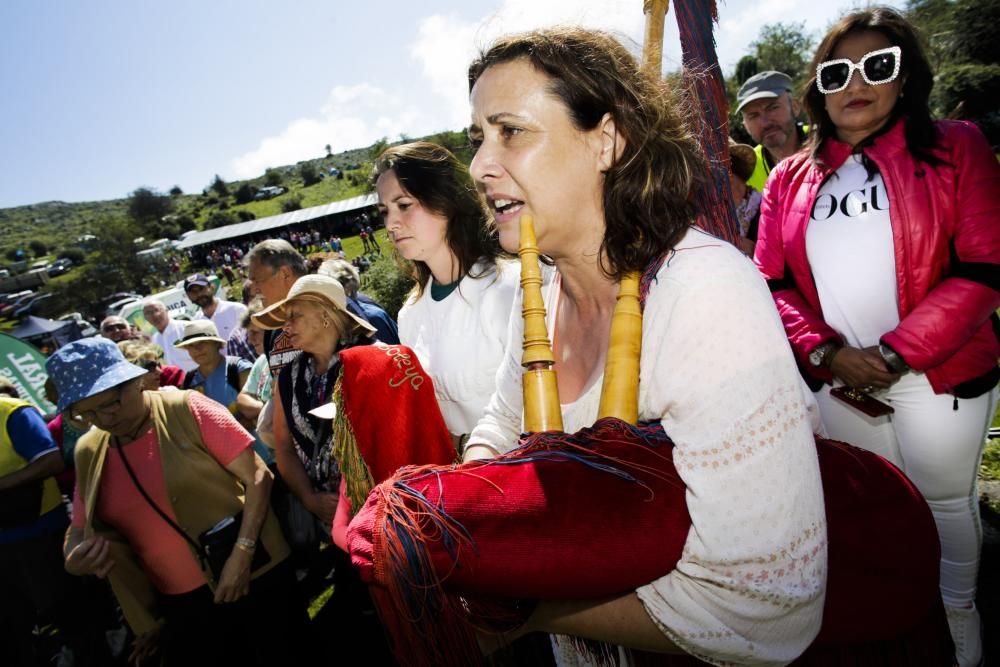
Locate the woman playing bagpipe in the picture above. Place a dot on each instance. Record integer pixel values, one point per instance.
(711, 542)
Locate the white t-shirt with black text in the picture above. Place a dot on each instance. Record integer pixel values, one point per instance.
(851, 253)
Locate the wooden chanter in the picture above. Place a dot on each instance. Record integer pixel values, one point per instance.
(620, 391)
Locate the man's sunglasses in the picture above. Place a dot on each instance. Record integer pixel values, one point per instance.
(876, 67)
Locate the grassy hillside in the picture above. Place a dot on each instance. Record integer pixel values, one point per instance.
(59, 224)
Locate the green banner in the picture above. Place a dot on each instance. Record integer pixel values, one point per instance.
(23, 365)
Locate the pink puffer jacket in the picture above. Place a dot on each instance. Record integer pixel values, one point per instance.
(946, 232)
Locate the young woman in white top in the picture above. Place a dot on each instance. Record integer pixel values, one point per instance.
(456, 317)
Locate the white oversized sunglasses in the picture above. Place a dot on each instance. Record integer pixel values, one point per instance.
(876, 67)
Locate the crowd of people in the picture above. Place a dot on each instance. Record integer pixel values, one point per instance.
(220, 462)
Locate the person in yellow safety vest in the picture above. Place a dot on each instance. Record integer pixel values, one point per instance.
(769, 114)
(33, 582)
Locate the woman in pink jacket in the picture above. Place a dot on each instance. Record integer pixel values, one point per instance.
(881, 242)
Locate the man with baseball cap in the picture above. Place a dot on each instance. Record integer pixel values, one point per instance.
(769, 115)
(226, 315)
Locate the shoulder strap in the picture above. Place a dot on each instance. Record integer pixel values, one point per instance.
(180, 531)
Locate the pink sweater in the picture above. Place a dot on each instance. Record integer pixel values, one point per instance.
(164, 554)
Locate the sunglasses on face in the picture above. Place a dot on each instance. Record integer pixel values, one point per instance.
(150, 365)
(876, 67)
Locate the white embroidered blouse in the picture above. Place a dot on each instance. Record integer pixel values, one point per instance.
(717, 371)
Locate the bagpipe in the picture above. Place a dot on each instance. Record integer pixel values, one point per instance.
(451, 550)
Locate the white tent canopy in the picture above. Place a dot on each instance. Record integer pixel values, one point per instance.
(275, 221)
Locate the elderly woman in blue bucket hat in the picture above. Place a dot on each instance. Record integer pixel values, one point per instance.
(171, 504)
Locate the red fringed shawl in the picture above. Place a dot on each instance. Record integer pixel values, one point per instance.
(602, 512)
(387, 417)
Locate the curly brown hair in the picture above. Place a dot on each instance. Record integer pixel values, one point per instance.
(647, 191)
(435, 177)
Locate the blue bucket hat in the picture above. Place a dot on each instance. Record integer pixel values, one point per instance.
(87, 367)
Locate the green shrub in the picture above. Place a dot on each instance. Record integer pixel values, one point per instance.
(293, 203)
(220, 219)
(384, 282)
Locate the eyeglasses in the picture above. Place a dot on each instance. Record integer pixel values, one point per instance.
(876, 67)
(89, 417)
(115, 327)
(150, 365)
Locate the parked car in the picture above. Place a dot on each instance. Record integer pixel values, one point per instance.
(269, 192)
(112, 303)
(8, 310)
(115, 307)
(31, 306)
(41, 264)
(86, 328)
(59, 267)
(334, 172)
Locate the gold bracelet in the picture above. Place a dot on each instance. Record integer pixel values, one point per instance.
(246, 544)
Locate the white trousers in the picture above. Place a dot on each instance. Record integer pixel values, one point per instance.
(939, 448)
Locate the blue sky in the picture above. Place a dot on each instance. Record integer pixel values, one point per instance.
(106, 96)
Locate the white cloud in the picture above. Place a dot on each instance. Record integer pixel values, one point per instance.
(352, 116)
(446, 45)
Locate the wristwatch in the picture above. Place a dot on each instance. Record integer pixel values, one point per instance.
(892, 359)
(822, 355)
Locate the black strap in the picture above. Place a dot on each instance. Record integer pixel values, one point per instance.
(180, 531)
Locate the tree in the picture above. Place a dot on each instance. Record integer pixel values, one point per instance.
(309, 174)
(152, 213)
(964, 54)
(75, 255)
(176, 191)
(219, 186)
(38, 249)
(244, 193)
(272, 177)
(746, 68)
(245, 215)
(376, 149)
(147, 207)
(329, 151)
(784, 47)
(112, 267)
(220, 219)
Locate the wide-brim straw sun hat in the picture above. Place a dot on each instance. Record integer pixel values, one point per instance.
(86, 367)
(312, 287)
(198, 331)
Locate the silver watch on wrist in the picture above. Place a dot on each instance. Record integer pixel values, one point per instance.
(819, 353)
(892, 359)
